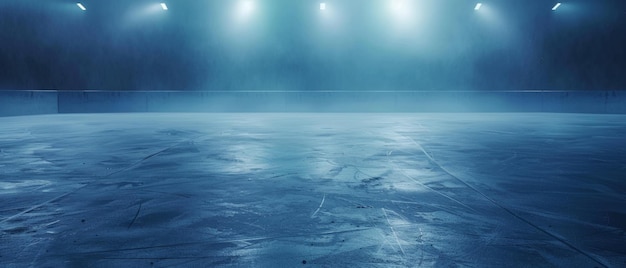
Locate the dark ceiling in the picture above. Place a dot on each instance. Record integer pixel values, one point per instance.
(292, 45)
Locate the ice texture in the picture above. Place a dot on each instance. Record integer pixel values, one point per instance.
(327, 190)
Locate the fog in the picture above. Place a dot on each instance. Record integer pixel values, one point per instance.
(281, 45)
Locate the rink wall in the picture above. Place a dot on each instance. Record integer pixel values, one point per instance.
(51, 101)
(13, 102)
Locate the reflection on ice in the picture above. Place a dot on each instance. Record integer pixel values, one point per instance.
(339, 190)
(17, 186)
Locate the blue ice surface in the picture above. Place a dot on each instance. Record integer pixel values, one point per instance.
(340, 190)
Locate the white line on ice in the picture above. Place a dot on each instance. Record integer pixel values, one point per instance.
(394, 232)
(385, 243)
(48, 224)
(511, 212)
(318, 208)
(426, 186)
(94, 181)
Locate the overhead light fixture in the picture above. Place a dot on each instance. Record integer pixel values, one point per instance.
(322, 6)
(164, 6)
(556, 6)
(477, 7)
(81, 6)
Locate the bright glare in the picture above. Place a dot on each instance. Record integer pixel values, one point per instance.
(401, 10)
(164, 6)
(397, 5)
(322, 6)
(244, 11)
(556, 6)
(478, 6)
(404, 17)
(81, 6)
(247, 6)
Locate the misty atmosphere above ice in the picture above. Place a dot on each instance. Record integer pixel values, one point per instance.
(293, 45)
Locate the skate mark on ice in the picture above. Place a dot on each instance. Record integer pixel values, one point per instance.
(393, 232)
(515, 215)
(136, 215)
(428, 187)
(318, 208)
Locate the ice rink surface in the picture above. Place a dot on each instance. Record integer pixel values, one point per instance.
(321, 190)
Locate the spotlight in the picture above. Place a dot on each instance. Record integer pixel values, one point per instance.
(164, 6)
(81, 6)
(248, 4)
(556, 6)
(244, 10)
(397, 5)
(322, 6)
(478, 6)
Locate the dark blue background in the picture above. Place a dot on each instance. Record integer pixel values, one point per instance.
(291, 45)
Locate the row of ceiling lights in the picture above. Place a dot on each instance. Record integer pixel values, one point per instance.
(322, 6)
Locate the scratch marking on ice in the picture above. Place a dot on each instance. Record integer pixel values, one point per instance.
(318, 208)
(153, 155)
(550, 234)
(255, 225)
(136, 215)
(36, 258)
(94, 181)
(421, 242)
(39, 205)
(430, 188)
(384, 244)
(48, 224)
(196, 243)
(404, 202)
(394, 232)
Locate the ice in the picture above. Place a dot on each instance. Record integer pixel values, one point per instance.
(327, 190)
